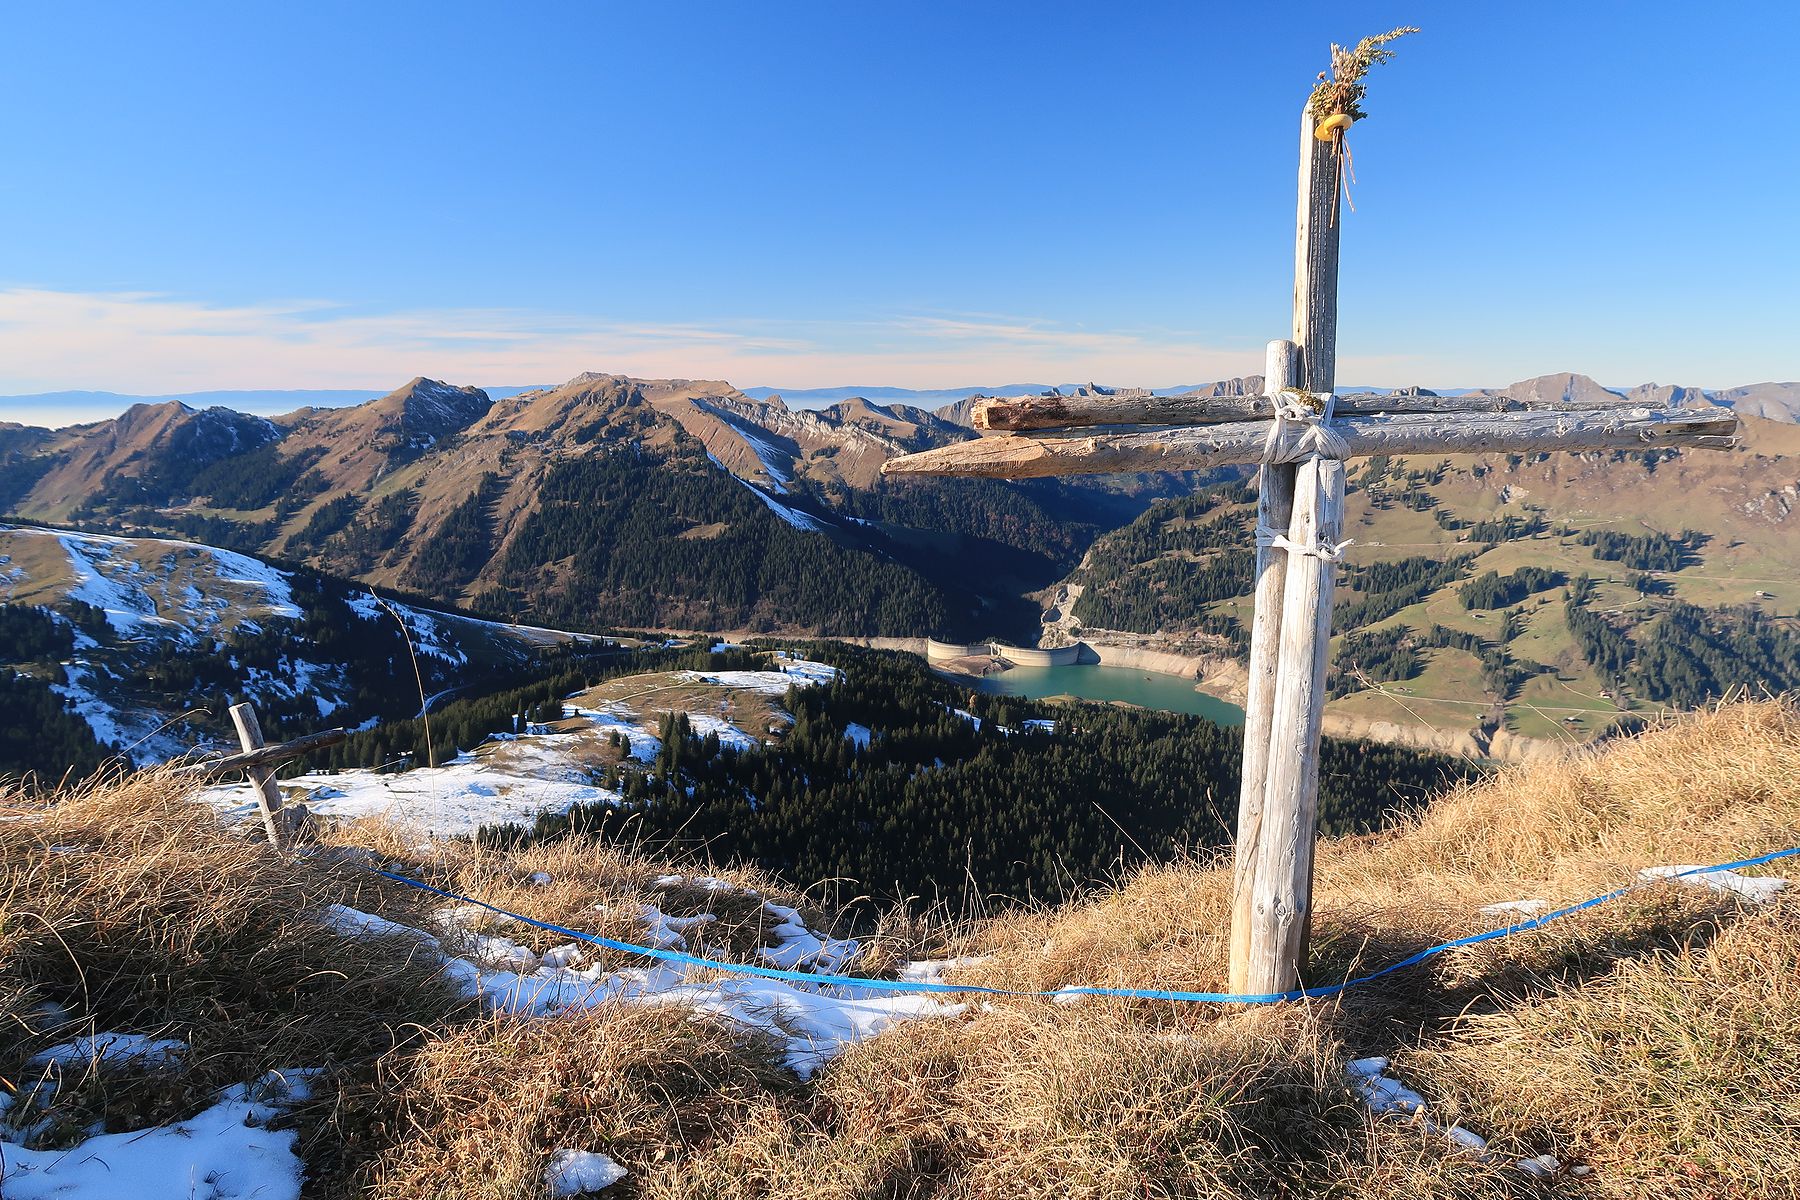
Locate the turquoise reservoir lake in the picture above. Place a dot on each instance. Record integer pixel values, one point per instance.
(1146, 689)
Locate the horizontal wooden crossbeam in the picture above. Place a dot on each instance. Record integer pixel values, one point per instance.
(266, 755)
(1204, 447)
(1021, 413)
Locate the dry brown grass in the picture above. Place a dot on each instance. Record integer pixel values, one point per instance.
(595, 887)
(484, 1108)
(126, 907)
(1653, 1039)
(1674, 1075)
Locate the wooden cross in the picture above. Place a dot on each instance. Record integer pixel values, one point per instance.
(1300, 434)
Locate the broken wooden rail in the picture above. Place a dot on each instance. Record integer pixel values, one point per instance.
(257, 759)
(212, 768)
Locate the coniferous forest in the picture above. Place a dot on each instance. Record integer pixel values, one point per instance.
(958, 796)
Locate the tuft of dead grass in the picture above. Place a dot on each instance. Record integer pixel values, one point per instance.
(124, 907)
(1676, 1074)
(483, 1109)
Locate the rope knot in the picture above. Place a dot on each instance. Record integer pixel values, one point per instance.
(1313, 411)
(1324, 551)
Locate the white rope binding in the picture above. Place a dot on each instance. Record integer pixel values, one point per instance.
(1318, 439)
(1318, 436)
(1330, 552)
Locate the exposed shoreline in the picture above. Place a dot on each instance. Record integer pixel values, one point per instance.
(1226, 679)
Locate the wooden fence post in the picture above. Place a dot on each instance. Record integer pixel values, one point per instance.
(262, 779)
(1274, 510)
(1277, 910)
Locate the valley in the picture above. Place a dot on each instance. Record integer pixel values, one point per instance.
(609, 506)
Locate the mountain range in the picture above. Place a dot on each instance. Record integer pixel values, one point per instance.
(1772, 401)
(610, 500)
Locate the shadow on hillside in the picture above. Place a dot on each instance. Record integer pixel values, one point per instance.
(1423, 1000)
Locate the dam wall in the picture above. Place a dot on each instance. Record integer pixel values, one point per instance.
(1019, 656)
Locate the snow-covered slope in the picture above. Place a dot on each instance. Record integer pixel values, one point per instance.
(186, 625)
(512, 778)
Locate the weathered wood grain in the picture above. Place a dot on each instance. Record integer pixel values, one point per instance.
(1202, 447)
(1027, 413)
(1274, 510)
(1281, 884)
(262, 779)
(213, 767)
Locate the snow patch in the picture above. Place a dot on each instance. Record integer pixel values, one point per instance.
(729, 735)
(797, 946)
(792, 672)
(805, 522)
(1757, 890)
(1514, 908)
(224, 1153)
(812, 1022)
(579, 1172)
(106, 1050)
(453, 800)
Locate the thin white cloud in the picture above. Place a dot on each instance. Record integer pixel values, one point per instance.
(146, 343)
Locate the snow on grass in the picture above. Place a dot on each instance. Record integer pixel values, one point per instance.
(813, 1022)
(859, 735)
(671, 933)
(614, 716)
(797, 946)
(1514, 908)
(105, 1050)
(145, 736)
(580, 1172)
(96, 712)
(933, 970)
(353, 922)
(117, 584)
(729, 735)
(703, 882)
(1755, 889)
(126, 604)
(793, 516)
(245, 571)
(429, 637)
(454, 800)
(226, 1152)
(790, 672)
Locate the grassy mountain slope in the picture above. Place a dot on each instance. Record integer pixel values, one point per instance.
(1431, 658)
(144, 641)
(430, 488)
(1647, 1045)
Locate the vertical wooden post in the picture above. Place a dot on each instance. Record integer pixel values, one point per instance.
(1316, 259)
(1278, 877)
(1274, 510)
(262, 779)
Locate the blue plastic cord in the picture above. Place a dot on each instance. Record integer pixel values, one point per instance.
(897, 985)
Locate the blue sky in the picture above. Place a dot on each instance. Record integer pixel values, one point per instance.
(331, 195)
